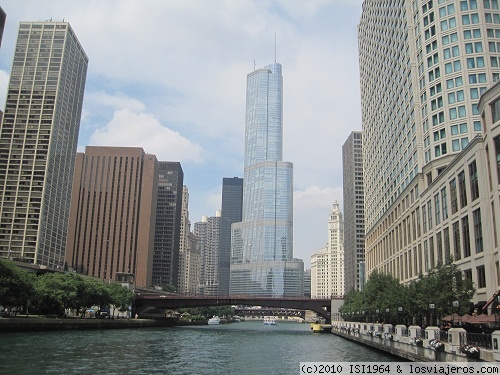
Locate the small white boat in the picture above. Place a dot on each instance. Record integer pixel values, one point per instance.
(214, 320)
(236, 319)
(269, 321)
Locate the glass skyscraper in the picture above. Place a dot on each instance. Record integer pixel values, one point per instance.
(232, 206)
(262, 244)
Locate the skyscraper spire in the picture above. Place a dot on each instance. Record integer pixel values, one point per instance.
(275, 48)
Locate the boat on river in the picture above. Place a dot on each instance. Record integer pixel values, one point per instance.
(214, 320)
(269, 321)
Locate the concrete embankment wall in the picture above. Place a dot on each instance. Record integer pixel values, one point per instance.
(402, 350)
(401, 341)
(42, 324)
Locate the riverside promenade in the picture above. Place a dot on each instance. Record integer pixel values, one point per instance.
(422, 345)
(32, 324)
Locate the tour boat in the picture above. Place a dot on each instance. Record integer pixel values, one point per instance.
(269, 321)
(214, 320)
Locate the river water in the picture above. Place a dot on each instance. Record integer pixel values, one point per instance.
(237, 348)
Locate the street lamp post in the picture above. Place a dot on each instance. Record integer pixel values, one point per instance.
(400, 315)
(376, 316)
(432, 306)
(456, 309)
(388, 319)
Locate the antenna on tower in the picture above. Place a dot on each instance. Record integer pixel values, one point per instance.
(275, 47)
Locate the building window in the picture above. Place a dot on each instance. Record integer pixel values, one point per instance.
(431, 252)
(474, 184)
(456, 241)
(429, 213)
(466, 236)
(424, 219)
(495, 110)
(444, 203)
(478, 230)
(481, 277)
(437, 209)
(462, 189)
(468, 275)
(497, 153)
(494, 221)
(426, 256)
(446, 243)
(439, 247)
(453, 195)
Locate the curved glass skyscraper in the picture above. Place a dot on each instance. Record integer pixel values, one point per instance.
(262, 244)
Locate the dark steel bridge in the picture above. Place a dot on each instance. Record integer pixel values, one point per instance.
(145, 303)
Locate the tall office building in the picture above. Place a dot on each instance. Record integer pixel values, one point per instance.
(262, 243)
(189, 253)
(423, 66)
(113, 211)
(208, 233)
(3, 18)
(327, 264)
(38, 142)
(183, 275)
(354, 212)
(232, 204)
(168, 224)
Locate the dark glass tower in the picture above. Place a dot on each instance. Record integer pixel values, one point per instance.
(168, 224)
(232, 201)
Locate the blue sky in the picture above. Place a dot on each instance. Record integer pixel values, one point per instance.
(170, 76)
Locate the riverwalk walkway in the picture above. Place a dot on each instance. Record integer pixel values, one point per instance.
(422, 345)
(35, 323)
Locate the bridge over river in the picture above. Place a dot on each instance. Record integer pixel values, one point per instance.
(145, 302)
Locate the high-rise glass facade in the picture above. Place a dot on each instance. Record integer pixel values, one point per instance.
(168, 224)
(38, 142)
(262, 244)
(232, 206)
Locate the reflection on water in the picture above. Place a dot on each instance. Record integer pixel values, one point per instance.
(237, 348)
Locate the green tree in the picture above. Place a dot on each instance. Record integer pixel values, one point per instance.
(16, 285)
(56, 292)
(441, 286)
(121, 297)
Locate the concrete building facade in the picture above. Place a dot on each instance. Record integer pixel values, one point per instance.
(354, 212)
(113, 214)
(327, 264)
(189, 253)
(423, 67)
(208, 233)
(38, 142)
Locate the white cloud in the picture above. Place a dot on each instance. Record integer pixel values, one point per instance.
(312, 207)
(117, 101)
(170, 76)
(128, 128)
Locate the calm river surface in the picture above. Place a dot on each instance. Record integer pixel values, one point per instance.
(237, 348)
